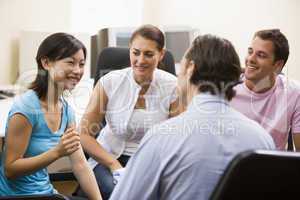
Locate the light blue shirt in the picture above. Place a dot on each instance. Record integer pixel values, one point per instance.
(183, 158)
(42, 139)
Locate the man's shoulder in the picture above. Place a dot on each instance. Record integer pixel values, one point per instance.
(288, 83)
(171, 126)
(252, 128)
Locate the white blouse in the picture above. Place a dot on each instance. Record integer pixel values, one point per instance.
(122, 92)
(140, 122)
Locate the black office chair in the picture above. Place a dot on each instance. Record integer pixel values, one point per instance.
(261, 175)
(35, 197)
(290, 142)
(113, 58)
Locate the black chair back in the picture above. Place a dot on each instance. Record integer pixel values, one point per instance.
(260, 175)
(113, 58)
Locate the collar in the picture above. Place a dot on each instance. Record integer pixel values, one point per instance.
(205, 102)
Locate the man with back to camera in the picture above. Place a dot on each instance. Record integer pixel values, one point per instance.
(183, 157)
(266, 96)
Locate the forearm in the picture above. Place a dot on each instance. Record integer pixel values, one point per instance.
(96, 151)
(25, 166)
(85, 175)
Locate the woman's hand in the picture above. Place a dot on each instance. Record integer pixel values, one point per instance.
(69, 142)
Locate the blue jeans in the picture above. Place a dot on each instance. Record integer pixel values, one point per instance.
(104, 179)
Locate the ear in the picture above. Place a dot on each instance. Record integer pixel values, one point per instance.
(46, 64)
(190, 68)
(162, 54)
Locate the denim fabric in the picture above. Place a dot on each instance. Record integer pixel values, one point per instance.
(104, 179)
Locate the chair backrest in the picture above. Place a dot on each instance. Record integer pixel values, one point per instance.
(290, 142)
(113, 58)
(35, 197)
(260, 175)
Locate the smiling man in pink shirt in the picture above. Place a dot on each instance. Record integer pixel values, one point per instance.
(265, 95)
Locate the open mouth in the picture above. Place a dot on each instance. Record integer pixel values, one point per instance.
(250, 67)
(141, 68)
(74, 80)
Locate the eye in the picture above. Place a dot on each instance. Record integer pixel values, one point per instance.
(70, 62)
(149, 55)
(81, 65)
(250, 51)
(136, 53)
(261, 55)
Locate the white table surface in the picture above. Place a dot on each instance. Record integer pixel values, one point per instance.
(5, 105)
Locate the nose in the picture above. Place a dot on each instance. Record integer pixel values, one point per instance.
(77, 69)
(251, 57)
(141, 59)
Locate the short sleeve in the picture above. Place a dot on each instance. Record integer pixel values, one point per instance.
(26, 108)
(296, 117)
(174, 95)
(170, 87)
(105, 82)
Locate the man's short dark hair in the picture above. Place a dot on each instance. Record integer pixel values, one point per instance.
(217, 65)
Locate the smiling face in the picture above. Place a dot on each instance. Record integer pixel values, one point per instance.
(144, 58)
(67, 72)
(260, 61)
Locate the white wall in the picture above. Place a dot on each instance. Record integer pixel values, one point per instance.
(18, 15)
(93, 15)
(235, 20)
(80, 16)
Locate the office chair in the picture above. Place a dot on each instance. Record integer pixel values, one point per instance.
(290, 142)
(260, 175)
(36, 197)
(113, 58)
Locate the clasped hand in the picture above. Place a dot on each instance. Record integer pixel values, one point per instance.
(69, 142)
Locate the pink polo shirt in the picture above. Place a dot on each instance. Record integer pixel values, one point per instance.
(277, 110)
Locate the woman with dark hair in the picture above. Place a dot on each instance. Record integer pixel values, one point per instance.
(131, 100)
(40, 126)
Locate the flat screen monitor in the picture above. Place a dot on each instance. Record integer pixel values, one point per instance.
(178, 42)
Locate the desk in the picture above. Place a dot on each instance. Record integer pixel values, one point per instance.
(5, 105)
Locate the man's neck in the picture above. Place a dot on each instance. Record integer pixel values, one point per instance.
(262, 85)
(193, 91)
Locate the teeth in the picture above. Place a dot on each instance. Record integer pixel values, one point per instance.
(73, 79)
(141, 66)
(251, 67)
